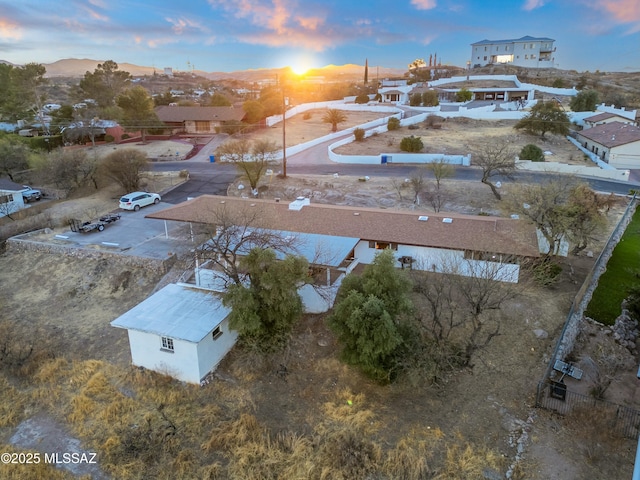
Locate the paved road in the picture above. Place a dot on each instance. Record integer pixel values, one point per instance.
(214, 178)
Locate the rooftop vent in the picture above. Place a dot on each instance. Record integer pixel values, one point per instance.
(423, 218)
(356, 213)
(447, 220)
(298, 203)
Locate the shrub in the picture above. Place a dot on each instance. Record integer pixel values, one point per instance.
(393, 124)
(359, 134)
(306, 115)
(415, 100)
(413, 127)
(433, 121)
(430, 98)
(411, 144)
(532, 152)
(109, 138)
(362, 98)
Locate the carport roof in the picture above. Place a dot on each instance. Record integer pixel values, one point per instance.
(177, 311)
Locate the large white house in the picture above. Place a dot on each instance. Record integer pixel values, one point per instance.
(616, 143)
(533, 52)
(179, 331)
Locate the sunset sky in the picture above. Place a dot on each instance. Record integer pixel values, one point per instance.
(229, 35)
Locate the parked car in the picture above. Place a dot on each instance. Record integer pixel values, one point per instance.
(136, 200)
(29, 194)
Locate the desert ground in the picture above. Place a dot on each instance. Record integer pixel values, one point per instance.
(476, 423)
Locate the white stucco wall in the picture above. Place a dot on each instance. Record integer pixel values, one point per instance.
(146, 351)
(625, 156)
(211, 352)
(189, 362)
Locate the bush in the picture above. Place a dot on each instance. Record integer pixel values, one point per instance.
(413, 127)
(411, 144)
(359, 134)
(415, 100)
(393, 124)
(109, 138)
(433, 121)
(532, 152)
(362, 98)
(306, 115)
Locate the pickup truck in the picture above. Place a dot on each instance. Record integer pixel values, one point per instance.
(29, 194)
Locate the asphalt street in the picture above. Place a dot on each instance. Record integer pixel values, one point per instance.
(213, 178)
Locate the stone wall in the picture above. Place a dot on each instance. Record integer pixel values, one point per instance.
(21, 245)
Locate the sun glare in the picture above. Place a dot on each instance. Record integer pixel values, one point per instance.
(300, 69)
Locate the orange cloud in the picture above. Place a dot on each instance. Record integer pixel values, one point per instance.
(284, 22)
(424, 4)
(623, 11)
(8, 29)
(180, 25)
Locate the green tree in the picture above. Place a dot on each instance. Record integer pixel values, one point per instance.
(463, 95)
(105, 84)
(585, 101)
(411, 144)
(254, 110)
(415, 100)
(219, 100)
(368, 315)
(393, 124)
(532, 152)
(334, 117)
(14, 156)
(164, 99)
(362, 98)
(21, 91)
(430, 98)
(125, 167)
(138, 110)
(265, 309)
(545, 117)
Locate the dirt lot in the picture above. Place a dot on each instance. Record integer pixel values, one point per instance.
(463, 136)
(488, 408)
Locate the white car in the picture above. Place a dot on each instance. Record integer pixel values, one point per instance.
(136, 200)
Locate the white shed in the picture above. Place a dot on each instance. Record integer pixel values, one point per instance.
(179, 331)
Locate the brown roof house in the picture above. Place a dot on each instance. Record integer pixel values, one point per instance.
(449, 243)
(198, 120)
(605, 117)
(616, 143)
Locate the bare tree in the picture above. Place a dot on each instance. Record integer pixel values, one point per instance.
(417, 182)
(70, 170)
(561, 211)
(496, 159)
(252, 160)
(125, 167)
(462, 304)
(230, 234)
(398, 185)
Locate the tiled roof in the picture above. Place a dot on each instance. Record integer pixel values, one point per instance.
(612, 134)
(463, 232)
(181, 114)
(599, 117)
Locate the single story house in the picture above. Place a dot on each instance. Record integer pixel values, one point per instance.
(11, 199)
(450, 243)
(179, 331)
(605, 117)
(197, 120)
(616, 143)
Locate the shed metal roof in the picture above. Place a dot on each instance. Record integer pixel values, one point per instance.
(177, 311)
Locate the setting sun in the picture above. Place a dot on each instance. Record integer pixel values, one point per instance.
(300, 69)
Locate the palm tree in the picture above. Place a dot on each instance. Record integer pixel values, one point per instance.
(334, 117)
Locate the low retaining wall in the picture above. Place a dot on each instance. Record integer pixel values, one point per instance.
(21, 244)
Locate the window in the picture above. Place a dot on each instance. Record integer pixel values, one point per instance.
(526, 57)
(167, 344)
(6, 198)
(202, 126)
(383, 245)
(216, 332)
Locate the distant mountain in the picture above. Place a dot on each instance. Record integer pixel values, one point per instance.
(77, 67)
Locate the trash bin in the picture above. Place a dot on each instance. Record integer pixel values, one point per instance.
(383, 159)
(212, 158)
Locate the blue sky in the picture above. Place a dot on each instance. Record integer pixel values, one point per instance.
(229, 35)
